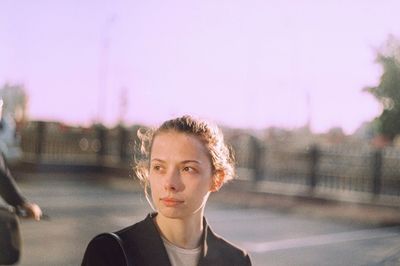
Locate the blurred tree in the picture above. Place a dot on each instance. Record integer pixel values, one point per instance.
(388, 90)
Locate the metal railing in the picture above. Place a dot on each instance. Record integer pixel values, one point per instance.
(361, 169)
(339, 168)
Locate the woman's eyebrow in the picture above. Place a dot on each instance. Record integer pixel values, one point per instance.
(157, 160)
(183, 162)
(191, 161)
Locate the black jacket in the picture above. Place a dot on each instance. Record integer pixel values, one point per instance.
(145, 247)
(8, 188)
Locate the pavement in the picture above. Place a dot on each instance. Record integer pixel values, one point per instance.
(276, 230)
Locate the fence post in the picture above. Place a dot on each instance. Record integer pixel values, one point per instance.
(123, 139)
(377, 171)
(314, 158)
(256, 148)
(101, 136)
(41, 135)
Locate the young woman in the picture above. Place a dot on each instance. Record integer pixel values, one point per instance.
(182, 162)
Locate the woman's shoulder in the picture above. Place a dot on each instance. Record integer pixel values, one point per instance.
(142, 229)
(226, 245)
(105, 247)
(225, 249)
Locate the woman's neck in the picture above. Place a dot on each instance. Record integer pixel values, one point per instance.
(184, 233)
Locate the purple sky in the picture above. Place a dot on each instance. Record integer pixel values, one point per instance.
(239, 63)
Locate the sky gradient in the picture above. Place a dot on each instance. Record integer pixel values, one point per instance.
(239, 63)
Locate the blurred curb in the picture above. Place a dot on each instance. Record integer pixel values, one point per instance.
(32, 167)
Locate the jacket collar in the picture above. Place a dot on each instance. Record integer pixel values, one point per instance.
(152, 247)
(210, 254)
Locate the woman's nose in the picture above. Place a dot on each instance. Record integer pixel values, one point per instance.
(172, 181)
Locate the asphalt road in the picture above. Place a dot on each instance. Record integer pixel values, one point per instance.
(81, 206)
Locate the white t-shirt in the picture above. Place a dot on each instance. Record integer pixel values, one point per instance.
(182, 256)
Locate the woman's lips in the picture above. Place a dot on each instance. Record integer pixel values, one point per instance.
(171, 202)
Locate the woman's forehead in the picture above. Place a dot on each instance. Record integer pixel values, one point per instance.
(174, 143)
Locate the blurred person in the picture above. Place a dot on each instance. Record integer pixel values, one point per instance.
(8, 188)
(11, 194)
(181, 162)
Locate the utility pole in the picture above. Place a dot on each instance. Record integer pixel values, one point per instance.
(309, 111)
(123, 105)
(103, 69)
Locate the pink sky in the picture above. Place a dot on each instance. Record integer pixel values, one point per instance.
(239, 63)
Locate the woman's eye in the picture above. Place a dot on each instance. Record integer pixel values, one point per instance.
(188, 169)
(156, 168)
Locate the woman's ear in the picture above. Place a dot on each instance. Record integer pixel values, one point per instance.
(218, 181)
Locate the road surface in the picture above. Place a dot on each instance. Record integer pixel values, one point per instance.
(82, 205)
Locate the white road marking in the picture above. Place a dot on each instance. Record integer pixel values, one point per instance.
(321, 239)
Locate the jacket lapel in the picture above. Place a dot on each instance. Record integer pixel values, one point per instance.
(209, 255)
(148, 243)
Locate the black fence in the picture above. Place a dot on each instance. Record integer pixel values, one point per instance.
(359, 168)
(336, 168)
(44, 143)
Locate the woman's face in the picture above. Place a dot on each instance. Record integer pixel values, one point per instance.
(180, 174)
